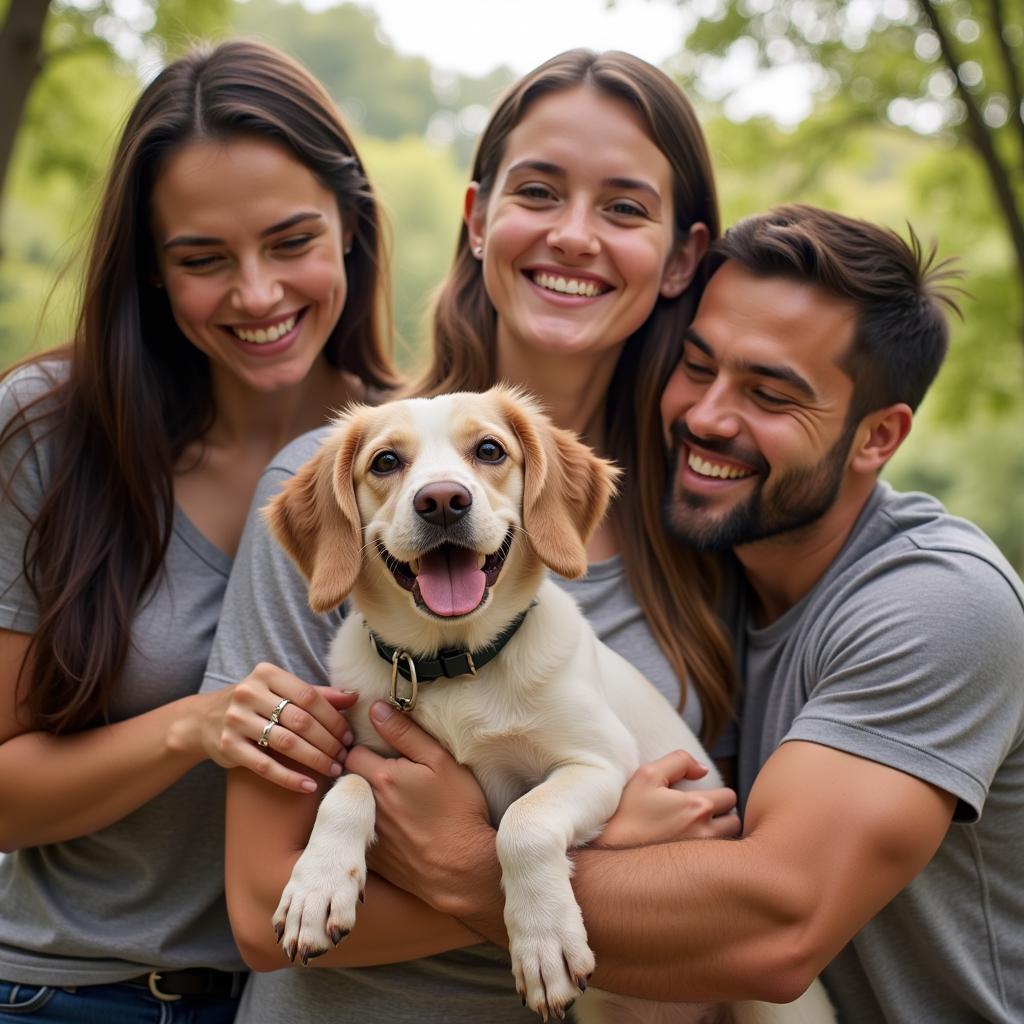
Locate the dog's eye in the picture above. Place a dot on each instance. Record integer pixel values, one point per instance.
(384, 463)
(490, 451)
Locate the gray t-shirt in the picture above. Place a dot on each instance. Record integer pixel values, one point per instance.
(266, 617)
(910, 652)
(146, 892)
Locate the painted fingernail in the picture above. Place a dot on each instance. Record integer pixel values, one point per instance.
(308, 785)
(348, 738)
(381, 712)
(335, 769)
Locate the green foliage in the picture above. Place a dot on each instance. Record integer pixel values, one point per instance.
(422, 189)
(381, 91)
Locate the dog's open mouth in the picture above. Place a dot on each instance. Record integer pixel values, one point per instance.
(448, 580)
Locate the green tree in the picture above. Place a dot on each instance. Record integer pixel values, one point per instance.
(37, 38)
(949, 68)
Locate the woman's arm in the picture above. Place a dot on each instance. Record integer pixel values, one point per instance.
(267, 829)
(54, 788)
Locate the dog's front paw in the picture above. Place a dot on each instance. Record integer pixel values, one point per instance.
(551, 960)
(318, 906)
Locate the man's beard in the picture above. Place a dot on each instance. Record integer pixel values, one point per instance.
(799, 498)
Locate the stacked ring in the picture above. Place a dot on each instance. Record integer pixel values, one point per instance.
(264, 740)
(275, 715)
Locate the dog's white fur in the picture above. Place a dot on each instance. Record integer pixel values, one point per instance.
(552, 728)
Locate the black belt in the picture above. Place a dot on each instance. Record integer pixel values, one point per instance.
(169, 986)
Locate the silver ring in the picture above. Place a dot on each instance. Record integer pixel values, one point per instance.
(275, 715)
(264, 740)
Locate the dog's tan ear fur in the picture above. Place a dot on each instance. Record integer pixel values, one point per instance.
(315, 518)
(566, 489)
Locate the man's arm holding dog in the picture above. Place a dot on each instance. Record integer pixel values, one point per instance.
(830, 839)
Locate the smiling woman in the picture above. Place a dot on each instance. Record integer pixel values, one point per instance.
(576, 271)
(231, 302)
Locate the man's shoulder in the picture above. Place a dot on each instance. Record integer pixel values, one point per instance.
(904, 530)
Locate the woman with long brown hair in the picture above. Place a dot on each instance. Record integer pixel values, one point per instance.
(233, 298)
(591, 206)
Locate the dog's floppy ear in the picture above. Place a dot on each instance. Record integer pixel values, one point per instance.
(566, 487)
(315, 518)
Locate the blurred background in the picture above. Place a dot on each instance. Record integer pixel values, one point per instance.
(894, 110)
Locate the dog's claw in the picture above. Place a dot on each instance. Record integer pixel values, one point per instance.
(337, 934)
(289, 951)
(581, 984)
(278, 932)
(362, 895)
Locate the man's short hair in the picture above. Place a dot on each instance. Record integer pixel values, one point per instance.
(901, 294)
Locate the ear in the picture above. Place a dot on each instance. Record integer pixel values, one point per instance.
(315, 518)
(683, 263)
(474, 214)
(879, 436)
(566, 487)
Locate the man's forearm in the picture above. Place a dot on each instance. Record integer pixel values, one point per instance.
(681, 921)
(690, 921)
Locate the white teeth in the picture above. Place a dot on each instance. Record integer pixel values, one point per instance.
(415, 566)
(567, 285)
(265, 335)
(716, 469)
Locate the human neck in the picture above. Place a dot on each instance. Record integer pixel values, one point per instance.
(573, 388)
(269, 420)
(781, 570)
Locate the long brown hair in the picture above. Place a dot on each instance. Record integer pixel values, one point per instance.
(675, 587)
(136, 392)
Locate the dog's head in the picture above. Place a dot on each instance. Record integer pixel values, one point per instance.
(439, 502)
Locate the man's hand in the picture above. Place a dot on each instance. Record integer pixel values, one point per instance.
(434, 837)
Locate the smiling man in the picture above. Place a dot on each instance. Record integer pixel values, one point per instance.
(881, 640)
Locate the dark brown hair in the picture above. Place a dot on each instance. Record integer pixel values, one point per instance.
(900, 293)
(673, 586)
(137, 393)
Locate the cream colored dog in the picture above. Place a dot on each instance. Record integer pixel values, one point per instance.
(439, 518)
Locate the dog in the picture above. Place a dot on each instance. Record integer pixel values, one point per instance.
(439, 518)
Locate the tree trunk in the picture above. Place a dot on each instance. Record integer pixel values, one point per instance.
(21, 37)
(981, 138)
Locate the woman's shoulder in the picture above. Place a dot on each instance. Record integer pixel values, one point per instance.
(23, 387)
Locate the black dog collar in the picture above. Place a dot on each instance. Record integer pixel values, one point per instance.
(447, 664)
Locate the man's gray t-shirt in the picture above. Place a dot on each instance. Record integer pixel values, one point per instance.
(910, 652)
(266, 617)
(146, 892)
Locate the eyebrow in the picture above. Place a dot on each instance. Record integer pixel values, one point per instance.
(775, 371)
(288, 222)
(545, 167)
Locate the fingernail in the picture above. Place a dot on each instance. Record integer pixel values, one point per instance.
(348, 738)
(351, 693)
(309, 785)
(381, 712)
(701, 764)
(335, 769)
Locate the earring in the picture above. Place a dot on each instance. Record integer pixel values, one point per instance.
(347, 249)
(478, 251)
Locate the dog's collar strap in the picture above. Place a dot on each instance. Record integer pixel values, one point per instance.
(449, 664)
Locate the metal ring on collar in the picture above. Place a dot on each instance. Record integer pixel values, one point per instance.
(405, 704)
(275, 715)
(264, 740)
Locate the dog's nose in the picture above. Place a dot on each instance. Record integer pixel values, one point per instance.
(442, 503)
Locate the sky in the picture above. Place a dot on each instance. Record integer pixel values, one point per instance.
(475, 36)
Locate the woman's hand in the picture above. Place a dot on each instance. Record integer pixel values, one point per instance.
(273, 712)
(434, 837)
(652, 812)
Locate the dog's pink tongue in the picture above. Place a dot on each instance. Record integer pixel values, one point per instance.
(450, 581)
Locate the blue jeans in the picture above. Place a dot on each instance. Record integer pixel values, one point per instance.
(106, 1004)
